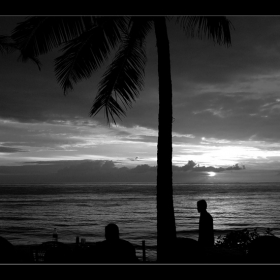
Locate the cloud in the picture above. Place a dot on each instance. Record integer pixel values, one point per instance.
(221, 97)
(134, 159)
(255, 49)
(197, 66)
(94, 171)
(4, 149)
(231, 116)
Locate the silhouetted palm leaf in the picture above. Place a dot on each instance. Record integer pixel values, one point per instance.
(125, 76)
(85, 54)
(216, 28)
(40, 34)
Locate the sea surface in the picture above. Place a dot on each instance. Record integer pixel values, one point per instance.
(29, 213)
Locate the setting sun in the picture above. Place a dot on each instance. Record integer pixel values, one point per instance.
(211, 174)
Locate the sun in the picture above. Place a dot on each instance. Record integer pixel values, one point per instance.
(211, 174)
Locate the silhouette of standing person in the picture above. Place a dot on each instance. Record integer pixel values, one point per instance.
(206, 231)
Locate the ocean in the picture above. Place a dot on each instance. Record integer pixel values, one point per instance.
(29, 213)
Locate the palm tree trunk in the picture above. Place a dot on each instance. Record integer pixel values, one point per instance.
(166, 228)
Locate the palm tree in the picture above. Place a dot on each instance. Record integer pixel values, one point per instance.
(87, 42)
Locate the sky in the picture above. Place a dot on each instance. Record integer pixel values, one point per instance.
(226, 109)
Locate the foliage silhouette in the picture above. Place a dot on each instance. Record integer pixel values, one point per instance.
(240, 239)
(86, 43)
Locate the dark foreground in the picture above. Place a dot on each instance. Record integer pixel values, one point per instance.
(186, 251)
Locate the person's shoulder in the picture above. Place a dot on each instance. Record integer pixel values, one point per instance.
(126, 245)
(125, 242)
(101, 244)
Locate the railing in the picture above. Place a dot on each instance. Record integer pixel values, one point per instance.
(79, 251)
(144, 250)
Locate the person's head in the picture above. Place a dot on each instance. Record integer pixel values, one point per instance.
(201, 206)
(111, 232)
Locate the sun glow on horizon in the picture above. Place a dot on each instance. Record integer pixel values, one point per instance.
(211, 174)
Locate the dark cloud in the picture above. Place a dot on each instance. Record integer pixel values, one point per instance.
(254, 49)
(192, 166)
(94, 171)
(144, 168)
(228, 116)
(123, 133)
(75, 171)
(134, 159)
(4, 149)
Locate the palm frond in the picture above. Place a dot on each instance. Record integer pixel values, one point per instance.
(216, 28)
(124, 77)
(86, 53)
(39, 34)
(6, 44)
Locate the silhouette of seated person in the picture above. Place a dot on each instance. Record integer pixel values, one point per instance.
(115, 249)
(7, 251)
(206, 231)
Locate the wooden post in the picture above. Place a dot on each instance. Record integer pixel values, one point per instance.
(144, 250)
(36, 255)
